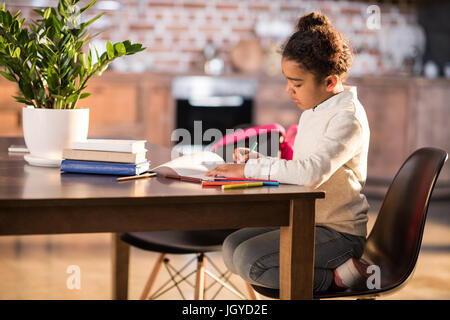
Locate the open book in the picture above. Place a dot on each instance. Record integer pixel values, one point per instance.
(194, 165)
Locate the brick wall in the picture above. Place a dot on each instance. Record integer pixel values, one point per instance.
(176, 32)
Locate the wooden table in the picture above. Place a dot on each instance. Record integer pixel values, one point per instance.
(38, 200)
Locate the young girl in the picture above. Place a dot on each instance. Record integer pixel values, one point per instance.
(330, 153)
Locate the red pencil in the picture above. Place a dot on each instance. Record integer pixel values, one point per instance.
(241, 179)
(218, 183)
(183, 178)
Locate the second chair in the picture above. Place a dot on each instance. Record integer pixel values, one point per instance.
(197, 242)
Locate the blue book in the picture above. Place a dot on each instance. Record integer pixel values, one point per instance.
(97, 167)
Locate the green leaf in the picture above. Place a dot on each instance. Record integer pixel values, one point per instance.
(85, 24)
(23, 100)
(26, 89)
(14, 27)
(110, 50)
(88, 6)
(83, 60)
(84, 95)
(56, 23)
(135, 48)
(8, 76)
(16, 53)
(52, 78)
(23, 37)
(7, 19)
(21, 21)
(39, 12)
(89, 62)
(62, 9)
(47, 13)
(41, 95)
(120, 48)
(65, 62)
(96, 53)
(32, 74)
(127, 44)
(17, 15)
(72, 98)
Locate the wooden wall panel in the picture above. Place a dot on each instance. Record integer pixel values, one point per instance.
(8, 89)
(9, 120)
(432, 121)
(387, 109)
(111, 104)
(273, 104)
(158, 113)
(10, 110)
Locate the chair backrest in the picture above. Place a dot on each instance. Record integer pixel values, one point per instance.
(395, 240)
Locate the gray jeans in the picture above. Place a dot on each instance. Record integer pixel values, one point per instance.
(253, 253)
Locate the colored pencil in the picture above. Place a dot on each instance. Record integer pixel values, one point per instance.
(139, 176)
(242, 185)
(253, 147)
(222, 183)
(242, 179)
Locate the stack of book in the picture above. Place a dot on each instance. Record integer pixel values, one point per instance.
(106, 156)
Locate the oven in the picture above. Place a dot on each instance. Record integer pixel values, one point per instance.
(207, 107)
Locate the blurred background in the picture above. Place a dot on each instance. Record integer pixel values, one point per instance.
(230, 48)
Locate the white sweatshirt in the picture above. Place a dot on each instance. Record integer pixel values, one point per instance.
(330, 153)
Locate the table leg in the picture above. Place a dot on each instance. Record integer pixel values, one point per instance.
(297, 251)
(120, 253)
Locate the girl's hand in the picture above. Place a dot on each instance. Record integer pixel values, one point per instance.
(241, 155)
(228, 170)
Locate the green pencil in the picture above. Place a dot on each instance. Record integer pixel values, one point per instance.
(253, 147)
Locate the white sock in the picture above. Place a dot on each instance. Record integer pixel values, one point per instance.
(347, 275)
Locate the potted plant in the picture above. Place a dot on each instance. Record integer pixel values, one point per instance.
(47, 61)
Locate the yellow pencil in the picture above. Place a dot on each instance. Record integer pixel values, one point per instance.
(140, 176)
(242, 185)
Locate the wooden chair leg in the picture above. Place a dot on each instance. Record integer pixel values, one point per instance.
(200, 278)
(151, 280)
(204, 280)
(252, 293)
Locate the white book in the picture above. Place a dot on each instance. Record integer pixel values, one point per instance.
(194, 165)
(113, 145)
(107, 156)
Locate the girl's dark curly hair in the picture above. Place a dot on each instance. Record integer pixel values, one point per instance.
(319, 48)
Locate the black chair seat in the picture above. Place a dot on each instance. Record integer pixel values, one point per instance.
(394, 242)
(267, 292)
(178, 242)
(275, 293)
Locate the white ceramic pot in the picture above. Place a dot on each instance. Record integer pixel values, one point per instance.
(48, 131)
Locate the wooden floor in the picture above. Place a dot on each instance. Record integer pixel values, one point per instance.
(35, 267)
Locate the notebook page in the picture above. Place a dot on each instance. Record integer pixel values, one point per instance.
(193, 165)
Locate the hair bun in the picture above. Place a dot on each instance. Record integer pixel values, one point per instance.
(311, 20)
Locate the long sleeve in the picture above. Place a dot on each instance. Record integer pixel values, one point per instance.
(338, 144)
(330, 153)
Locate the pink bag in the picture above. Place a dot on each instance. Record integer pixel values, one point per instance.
(286, 139)
(287, 145)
